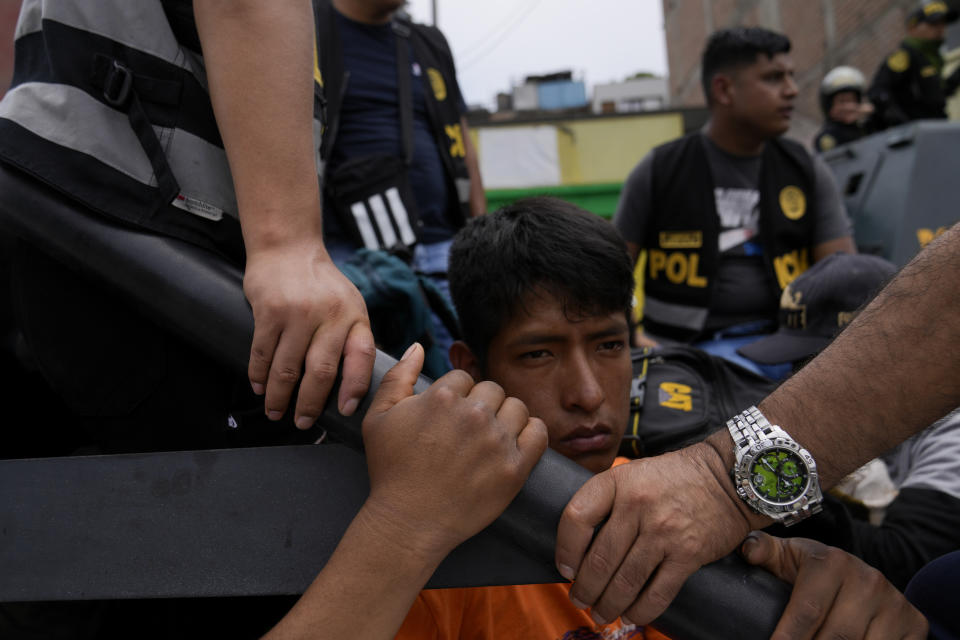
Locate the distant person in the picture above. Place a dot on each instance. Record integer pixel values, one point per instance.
(844, 111)
(909, 85)
(728, 216)
(914, 489)
(401, 170)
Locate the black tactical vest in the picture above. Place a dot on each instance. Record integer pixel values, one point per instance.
(682, 242)
(433, 54)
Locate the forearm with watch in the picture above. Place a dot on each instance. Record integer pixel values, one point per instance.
(892, 372)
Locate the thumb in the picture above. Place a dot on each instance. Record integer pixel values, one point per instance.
(398, 383)
(768, 552)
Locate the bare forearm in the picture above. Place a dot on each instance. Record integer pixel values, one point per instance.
(892, 372)
(478, 198)
(364, 591)
(259, 65)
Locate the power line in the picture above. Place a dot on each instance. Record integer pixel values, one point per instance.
(476, 45)
(492, 44)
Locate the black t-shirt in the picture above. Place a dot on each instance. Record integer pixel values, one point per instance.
(369, 122)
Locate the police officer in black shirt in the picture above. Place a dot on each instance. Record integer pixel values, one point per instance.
(909, 85)
(841, 98)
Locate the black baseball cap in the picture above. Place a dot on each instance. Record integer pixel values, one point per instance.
(820, 302)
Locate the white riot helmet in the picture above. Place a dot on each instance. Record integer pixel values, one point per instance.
(840, 79)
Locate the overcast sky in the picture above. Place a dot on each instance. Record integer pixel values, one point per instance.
(496, 43)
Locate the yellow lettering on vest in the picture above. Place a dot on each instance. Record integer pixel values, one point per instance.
(674, 395)
(790, 265)
(679, 268)
(681, 239)
(694, 279)
(676, 268)
(457, 150)
(658, 260)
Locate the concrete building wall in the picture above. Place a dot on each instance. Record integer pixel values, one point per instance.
(824, 34)
(639, 94)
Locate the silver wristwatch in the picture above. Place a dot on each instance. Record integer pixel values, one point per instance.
(773, 474)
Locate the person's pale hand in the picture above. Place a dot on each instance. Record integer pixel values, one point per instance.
(445, 463)
(306, 314)
(835, 595)
(665, 517)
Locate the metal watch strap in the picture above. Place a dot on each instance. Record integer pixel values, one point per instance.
(750, 426)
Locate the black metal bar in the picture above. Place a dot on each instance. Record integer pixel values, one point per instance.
(167, 277)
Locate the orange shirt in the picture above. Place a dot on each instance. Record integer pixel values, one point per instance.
(521, 612)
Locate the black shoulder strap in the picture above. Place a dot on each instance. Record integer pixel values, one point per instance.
(404, 89)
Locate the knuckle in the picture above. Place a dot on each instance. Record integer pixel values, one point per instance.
(598, 564)
(285, 374)
(362, 348)
(459, 377)
(491, 386)
(444, 395)
(657, 600)
(478, 412)
(808, 613)
(323, 370)
(627, 582)
(259, 356)
(518, 405)
(334, 308)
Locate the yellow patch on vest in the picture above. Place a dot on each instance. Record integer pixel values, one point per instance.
(437, 84)
(926, 72)
(681, 239)
(826, 142)
(793, 203)
(899, 61)
(674, 395)
(926, 236)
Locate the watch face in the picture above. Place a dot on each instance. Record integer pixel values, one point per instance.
(778, 475)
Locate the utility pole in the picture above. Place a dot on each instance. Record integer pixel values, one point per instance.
(433, 5)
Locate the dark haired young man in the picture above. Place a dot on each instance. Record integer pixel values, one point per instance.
(730, 215)
(543, 289)
(549, 324)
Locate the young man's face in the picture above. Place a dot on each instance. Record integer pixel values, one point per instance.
(572, 374)
(761, 95)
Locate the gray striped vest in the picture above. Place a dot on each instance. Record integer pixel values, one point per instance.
(109, 105)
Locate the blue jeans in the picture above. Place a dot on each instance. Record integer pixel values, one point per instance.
(724, 344)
